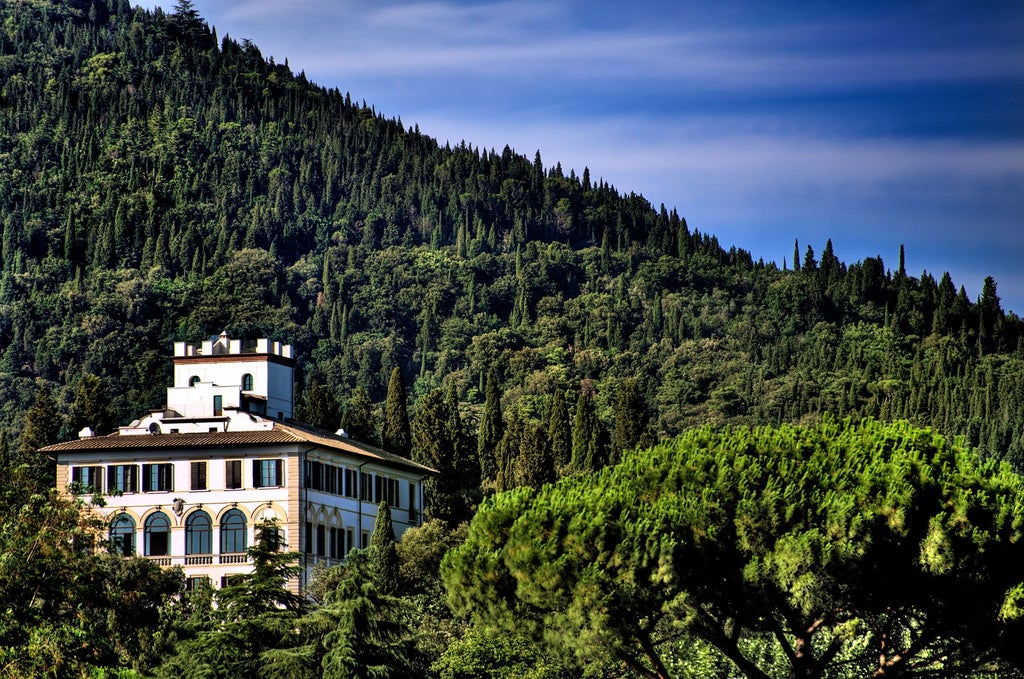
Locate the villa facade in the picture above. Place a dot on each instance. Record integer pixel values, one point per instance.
(187, 484)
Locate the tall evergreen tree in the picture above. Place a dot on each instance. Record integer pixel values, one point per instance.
(256, 616)
(383, 553)
(506, 454)
(491, 428)
(559, 430)
(631, 418)
(358, 421)
(320, 407)
(534, 466)
(42, 428)
(461, 441)
(396, 435)
(437, 441)
(91, 407)
(369, 635)
(5, 454)
(589, 438)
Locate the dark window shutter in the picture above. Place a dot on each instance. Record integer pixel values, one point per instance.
(279, 472)
(257, 480)
(199, 475)
(233, 474)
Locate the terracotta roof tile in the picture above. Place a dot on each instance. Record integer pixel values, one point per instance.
(289, 433)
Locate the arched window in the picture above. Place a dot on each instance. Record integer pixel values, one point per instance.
(198, 529)
(193, 381)
(122, 535)
(158, 535)
(246, 382)
(232, 532)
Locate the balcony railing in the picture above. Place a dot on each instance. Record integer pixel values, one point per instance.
(200, 559)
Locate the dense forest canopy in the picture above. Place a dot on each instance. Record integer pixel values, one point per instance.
(160, 183)
(519, 329)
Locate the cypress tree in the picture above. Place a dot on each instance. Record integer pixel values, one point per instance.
(631, 418)
(319, 407)
(461, 441)
(396, 435)
(492, 427)
(42, 428)
(439, 441)
(582, 432)
(358, 420)
(383, 552)
(534, 466)
(559, 431)
(91, 407)
(506, 453)
(5, 454)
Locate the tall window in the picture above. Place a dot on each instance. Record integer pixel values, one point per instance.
(233, 474)
(267, 473)
(122, 478)
(246, 382)
(122, 535)
(87, 479)
(158, 535)
(218, 405)
(157, 477)
(232, 532)
(199, 475)
(198, 531)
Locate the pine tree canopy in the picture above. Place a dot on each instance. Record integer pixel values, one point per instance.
(880, 547)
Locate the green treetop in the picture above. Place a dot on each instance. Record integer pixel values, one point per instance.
(396, 436)
(868, 549)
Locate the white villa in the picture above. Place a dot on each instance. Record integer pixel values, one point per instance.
(186, 484)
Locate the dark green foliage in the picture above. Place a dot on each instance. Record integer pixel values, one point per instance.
(68, 612)
(589, 440)
(559, 430)
(42, 428)
(358, 420)
(396, 435)
(439, 440)
(320, 407)
(534, 466)
(631, 419)
(491, 429)
(506, 453)
(367, 633)
(383, 555)
(256, 616)
(868, 548)
(91, 407)
(157, 185)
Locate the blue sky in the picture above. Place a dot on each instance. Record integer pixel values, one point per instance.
(874, 124)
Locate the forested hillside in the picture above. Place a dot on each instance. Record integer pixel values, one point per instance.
(161, 183)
